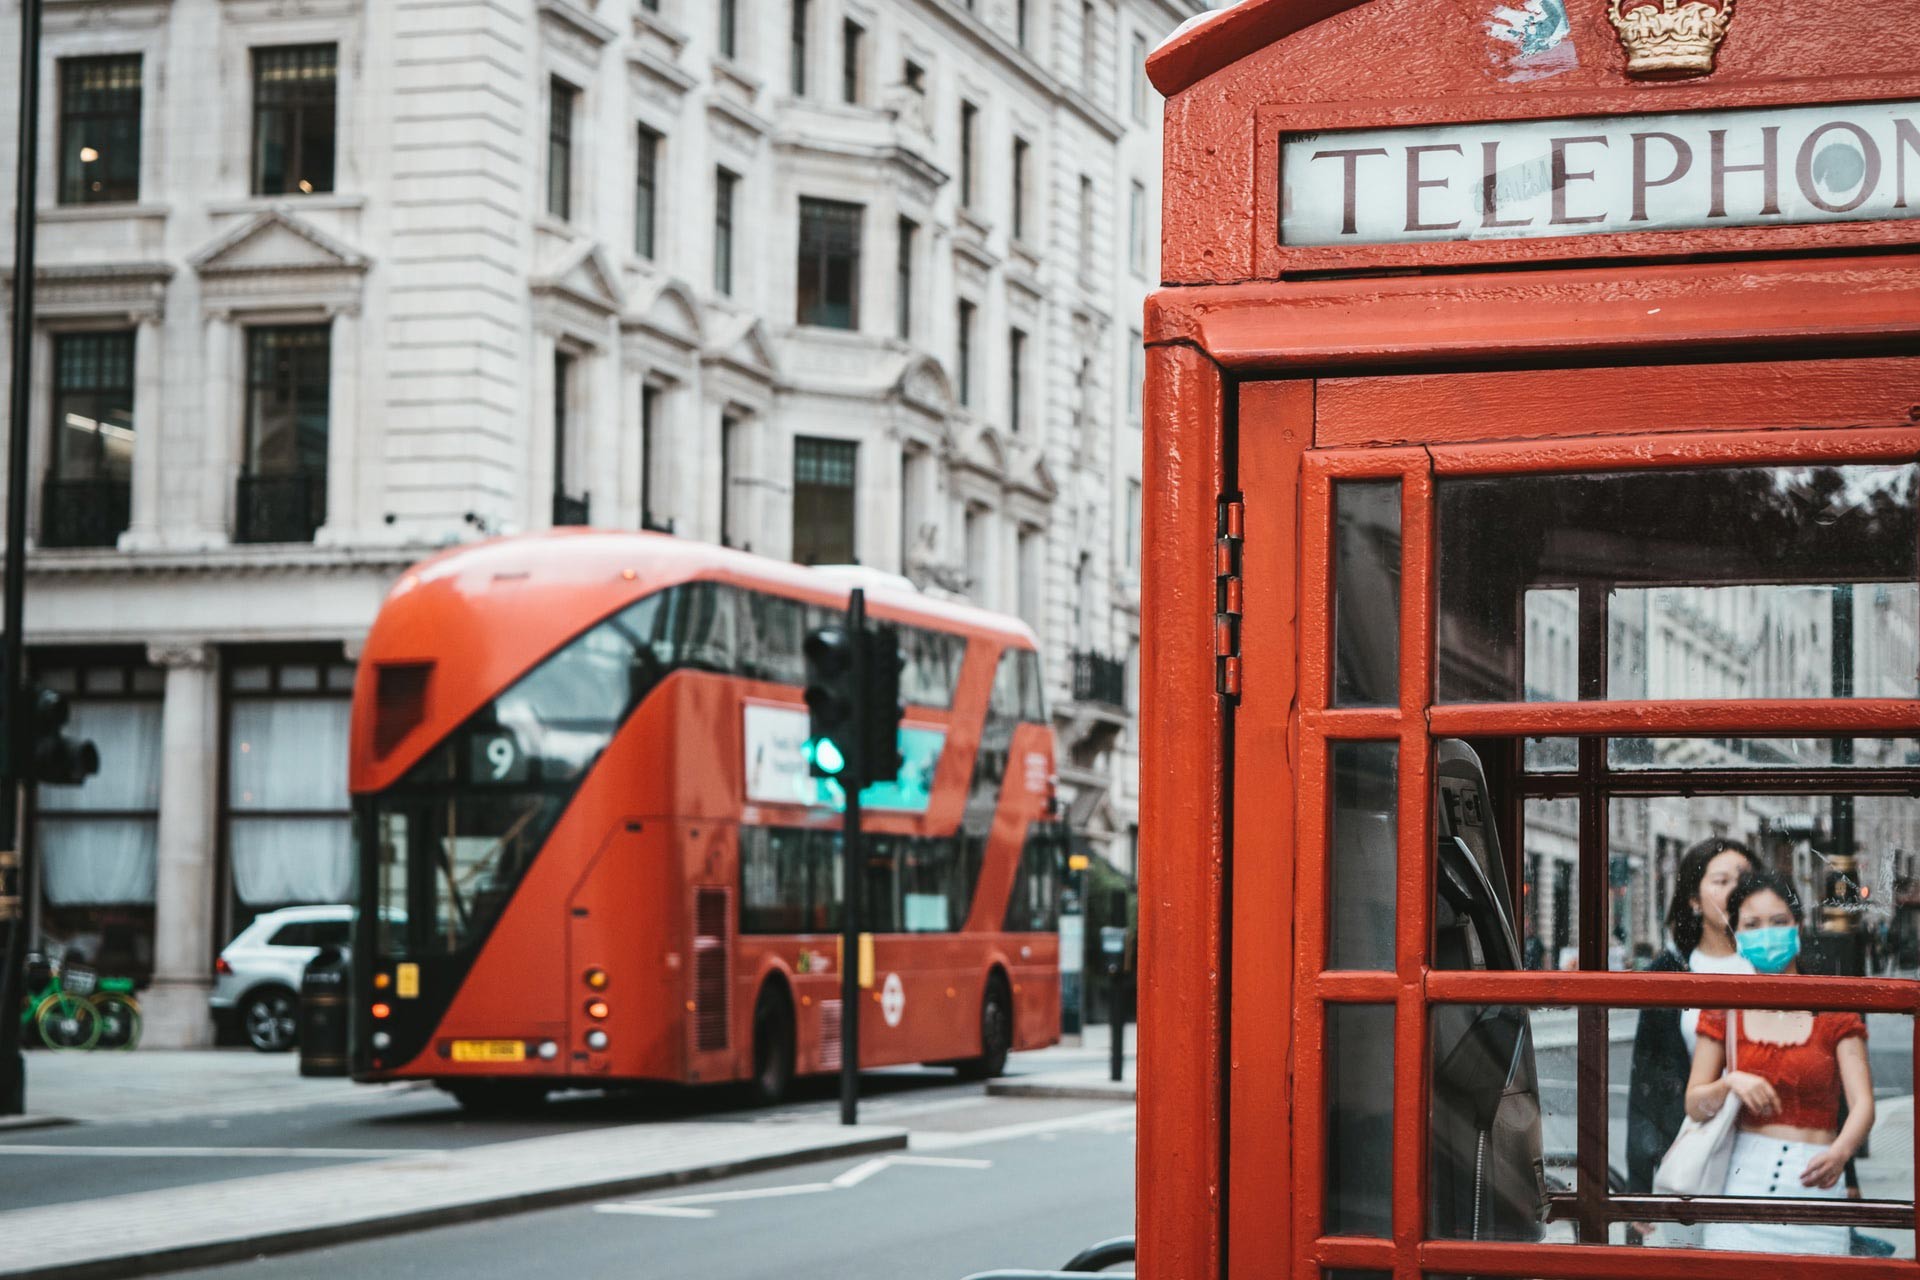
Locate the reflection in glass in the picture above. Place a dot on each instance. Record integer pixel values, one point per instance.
(1851, 858)
(1550, 862)
(1755, 753)
(1359, 1134)
(1753, 582)
(1360, 924)
(1366, 594)
(1552, 755)
(1486, 1179)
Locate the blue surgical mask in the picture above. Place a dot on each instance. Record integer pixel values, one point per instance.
(1769, 950)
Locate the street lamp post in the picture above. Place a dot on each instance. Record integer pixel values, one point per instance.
(14, 878)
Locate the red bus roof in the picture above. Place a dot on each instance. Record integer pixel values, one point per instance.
(483, 614)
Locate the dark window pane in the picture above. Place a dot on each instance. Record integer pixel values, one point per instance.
(282, 488)
(293, 119)
(823, 500)
(1035, 904)
(1366, 594)
(829, 266)
(1364, 854)
(645, 193)
(797, 72)
(560, 107)
(1359, 1082)
(1750, 582)
(93, 406)
(903, 279)
(100, 129)
(932, 668)
(723, 186)
(965, 355)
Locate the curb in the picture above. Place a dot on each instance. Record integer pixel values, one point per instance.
(1093, 1090)
(269, 1241)
(14, 1124)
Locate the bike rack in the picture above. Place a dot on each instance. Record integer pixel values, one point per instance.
(1097, 1257)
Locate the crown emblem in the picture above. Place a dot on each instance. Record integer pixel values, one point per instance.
(1670, 39)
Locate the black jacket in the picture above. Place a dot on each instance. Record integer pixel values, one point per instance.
(1657, 1092)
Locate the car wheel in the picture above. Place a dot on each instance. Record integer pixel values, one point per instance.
(272, 1019)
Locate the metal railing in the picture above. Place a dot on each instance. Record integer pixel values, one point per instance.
(648, 523)
(84, 513)
(279, 508)
(569, 510)
(1098, 678)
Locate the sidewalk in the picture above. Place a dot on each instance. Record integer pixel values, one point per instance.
(242, 1218)
(1072, 1071)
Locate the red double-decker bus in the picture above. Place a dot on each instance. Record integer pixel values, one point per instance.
(590, 850)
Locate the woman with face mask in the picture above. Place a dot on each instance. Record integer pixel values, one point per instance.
(1663, 1043)
(1791, 1069)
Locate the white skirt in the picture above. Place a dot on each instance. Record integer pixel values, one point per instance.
(1765, 1166)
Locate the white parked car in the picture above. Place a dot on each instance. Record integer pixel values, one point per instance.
(257, 977)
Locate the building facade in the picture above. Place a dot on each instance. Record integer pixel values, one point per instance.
(325, 286)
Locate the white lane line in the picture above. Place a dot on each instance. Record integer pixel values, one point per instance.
(861, 1172)
(177, 1153)
(1109, 1119)
(655, 1210)
(722, 1197)
(694, 1206)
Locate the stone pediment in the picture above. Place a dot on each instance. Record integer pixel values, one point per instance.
(1039, 481)
(986, 453)
(582, 275)
(746, 348)
(924, 385)
(275, 240)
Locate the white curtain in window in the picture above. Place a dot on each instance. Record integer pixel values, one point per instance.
(288, 753)
(95, 861)
(128, 736)
(281, 860)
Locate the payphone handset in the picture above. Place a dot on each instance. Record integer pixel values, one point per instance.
(1488, 1179)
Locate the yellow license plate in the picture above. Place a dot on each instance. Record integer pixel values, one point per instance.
(489, 1051)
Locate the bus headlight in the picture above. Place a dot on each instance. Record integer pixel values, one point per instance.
(596, 1039)
(382, 1041)
(548, 1051)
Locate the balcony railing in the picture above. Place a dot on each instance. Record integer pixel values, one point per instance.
(568, 509)
(84, 513)
(1098, 678)
(279, 508)
(648, 523)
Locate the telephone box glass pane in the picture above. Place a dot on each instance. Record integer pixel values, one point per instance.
(1360, 924)
(1758, 753)
(1550, 896)
(1359, 1065)
(1735, 582)
(1851, 859)
(1366, 594)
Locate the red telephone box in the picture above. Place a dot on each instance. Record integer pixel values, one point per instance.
(1534, 407)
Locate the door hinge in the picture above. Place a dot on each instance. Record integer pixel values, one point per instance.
(1228, 590)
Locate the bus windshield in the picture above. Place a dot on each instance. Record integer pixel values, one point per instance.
(456, 834)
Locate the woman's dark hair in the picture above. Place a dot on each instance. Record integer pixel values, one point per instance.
(1683, 922)
(1764, 882)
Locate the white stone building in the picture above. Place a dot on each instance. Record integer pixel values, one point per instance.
(326, 284)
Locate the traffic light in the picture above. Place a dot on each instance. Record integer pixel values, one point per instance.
(830, 727)
(880, 666)
(53, 756)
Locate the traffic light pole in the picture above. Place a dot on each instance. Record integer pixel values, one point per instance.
(13, 863)
(850, 851)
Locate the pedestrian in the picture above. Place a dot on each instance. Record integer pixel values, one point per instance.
(1792, 1069)
(1700, 940)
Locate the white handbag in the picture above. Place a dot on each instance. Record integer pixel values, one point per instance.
(1697, 1162)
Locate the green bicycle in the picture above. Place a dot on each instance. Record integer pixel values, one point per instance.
(72, 1008)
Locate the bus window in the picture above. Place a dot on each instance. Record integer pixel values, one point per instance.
(770, 640)
(706, 626)
(935, 890)
(1732, 582)
(1034, 906)
(1033, 694)
(789, 880)
(933, 666)
(880, 891)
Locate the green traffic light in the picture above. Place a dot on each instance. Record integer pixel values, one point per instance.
(827, 756)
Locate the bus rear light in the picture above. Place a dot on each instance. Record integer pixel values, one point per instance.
(381, 981)
(548, 1051)
(381, 1040)
(596, 1039)
(381, 1010)
(597, 979)
(596, 1009)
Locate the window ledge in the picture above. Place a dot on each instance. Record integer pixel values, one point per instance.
(652, 23)
(728, 71)
(320, 200)
(554, 225)
(103, 212)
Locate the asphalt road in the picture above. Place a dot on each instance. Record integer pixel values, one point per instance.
(1017, 1193)
(84, 1162)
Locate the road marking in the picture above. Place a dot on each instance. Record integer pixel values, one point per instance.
(178, 1153)
(1109, 1120)
(694, 1206)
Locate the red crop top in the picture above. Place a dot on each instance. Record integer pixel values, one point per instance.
(1806, 1076)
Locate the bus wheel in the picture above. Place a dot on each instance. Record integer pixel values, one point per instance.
(996, 1032)
(496, 1097)
(772, 1044)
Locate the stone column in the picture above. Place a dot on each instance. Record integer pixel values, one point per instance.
(343, 431)
(143, 527)
(176, 1003)
(220, 429)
